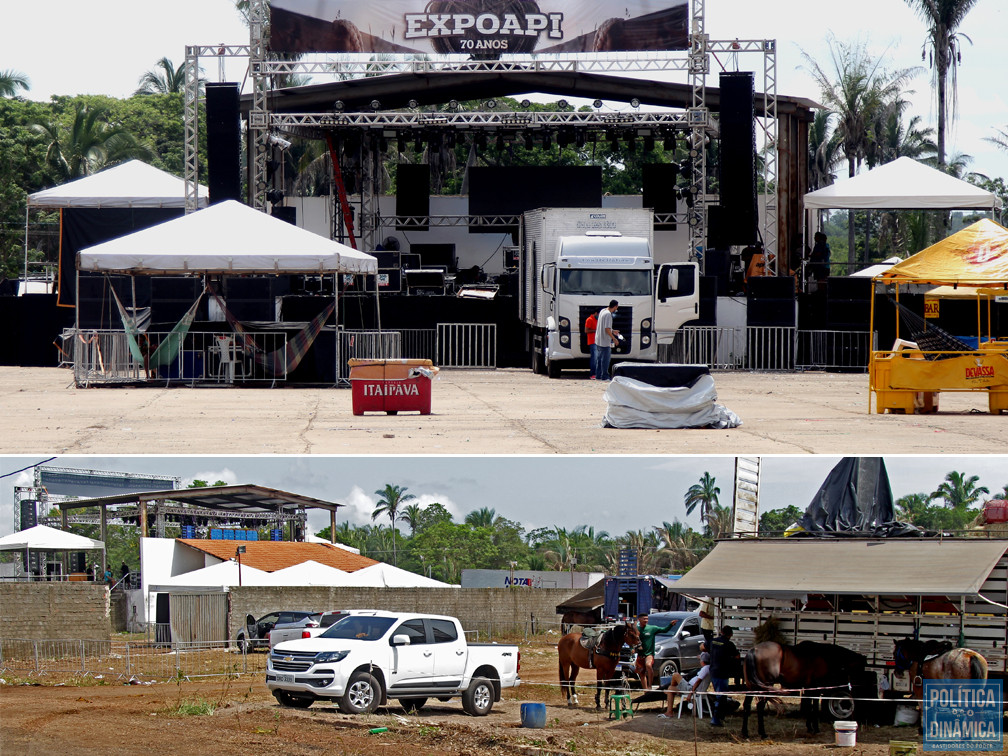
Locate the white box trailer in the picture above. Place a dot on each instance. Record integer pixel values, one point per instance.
(574, 261)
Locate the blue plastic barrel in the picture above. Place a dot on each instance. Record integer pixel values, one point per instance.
(533, 715)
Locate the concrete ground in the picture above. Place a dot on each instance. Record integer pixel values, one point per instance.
(507, 411)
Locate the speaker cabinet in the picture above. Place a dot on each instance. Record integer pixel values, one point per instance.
(738, 157)
(659, 180)
(771, 301)
(223, 142)
(412, 192)
(285, 213)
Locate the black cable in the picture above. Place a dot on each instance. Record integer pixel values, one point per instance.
(29, 467)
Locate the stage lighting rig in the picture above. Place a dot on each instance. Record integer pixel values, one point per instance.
(413, 104)
(526, 103)
(453, 105)
(375, 105)
(649, 143)
(338, 106)
(597, 104)
(563, 104)
(634, 103)
(491, 104)
(278, 141)
(685, 194)
(275, 196)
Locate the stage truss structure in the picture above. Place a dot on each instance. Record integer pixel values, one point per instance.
(695, 122)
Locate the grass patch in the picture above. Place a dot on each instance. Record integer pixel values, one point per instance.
(198, 707)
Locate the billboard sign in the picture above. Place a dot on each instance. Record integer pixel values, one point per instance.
(963, 715)
(481, 28)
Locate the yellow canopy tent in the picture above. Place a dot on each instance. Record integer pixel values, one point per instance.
(909, 376)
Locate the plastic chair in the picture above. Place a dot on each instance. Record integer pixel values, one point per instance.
(620, 706)
(700, 699)
(229, 365)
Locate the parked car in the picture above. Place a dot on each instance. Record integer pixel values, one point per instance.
(306, 627)
(678, 650)
(255, 633)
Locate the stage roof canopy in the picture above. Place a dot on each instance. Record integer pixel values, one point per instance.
(130, 184)
(796, 567)
(903, 183)
(225, 238)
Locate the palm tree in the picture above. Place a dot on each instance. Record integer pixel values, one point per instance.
(11, 81)
(164, 78)
(705, 493)
(943, 17)
(412, 515)
(855, 88)
(912, 506)
(1001, 140)
(824, 150)
(89, 144)
(681, 544)
(720, 522)
(958, 491)
(390, 499)
(484, 517)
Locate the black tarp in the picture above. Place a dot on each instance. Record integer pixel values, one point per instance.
(855, 497)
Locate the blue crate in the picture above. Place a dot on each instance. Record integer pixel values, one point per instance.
(216, 534)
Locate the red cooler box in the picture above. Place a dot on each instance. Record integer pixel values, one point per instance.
(387, 386)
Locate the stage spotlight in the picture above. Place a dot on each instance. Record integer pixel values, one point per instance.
(481, 142)
(275, 196)
(649, 144)
(375, 105)
(491, 104)
(563, 104)
(613, 140)
(686, 171)
(526, 103)
(413, 104)
(453, 104)
(563, 139)
(401, 143)
(529, 142)
(634, 103)
(685, 194)
(669, 143)
(547, 141)
(631, 141)
(450, 139)
(278, 141)
(418, 143)
(579, 139)
(338, 106)
(597, 104)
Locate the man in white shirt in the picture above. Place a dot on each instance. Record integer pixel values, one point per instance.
(680, 685)
(606, 338)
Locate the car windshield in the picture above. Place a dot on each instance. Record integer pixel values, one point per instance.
(359, 628)
(608, 283)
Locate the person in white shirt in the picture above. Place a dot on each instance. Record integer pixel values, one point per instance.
(681, 686)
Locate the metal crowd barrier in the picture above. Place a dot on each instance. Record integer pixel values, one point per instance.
(466, 345)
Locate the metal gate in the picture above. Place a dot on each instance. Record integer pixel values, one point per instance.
(467, 345)
(198, 618)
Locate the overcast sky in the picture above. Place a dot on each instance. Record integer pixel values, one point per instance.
(614, 494)
(71, 47)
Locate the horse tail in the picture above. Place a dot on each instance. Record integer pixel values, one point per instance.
(752, 680)
(978, 667)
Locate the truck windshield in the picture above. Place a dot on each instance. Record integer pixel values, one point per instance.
(359, 628)
(608, 283)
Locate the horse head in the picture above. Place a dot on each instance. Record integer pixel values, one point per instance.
(632, 635)
(906, 652)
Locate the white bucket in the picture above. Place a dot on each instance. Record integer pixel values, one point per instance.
(846, 733)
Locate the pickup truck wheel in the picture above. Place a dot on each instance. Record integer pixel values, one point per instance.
(667, 668)
(478, 698)
(289, 699)
(362, 694)
(412, 704)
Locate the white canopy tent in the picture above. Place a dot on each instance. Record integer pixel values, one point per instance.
(311, 573)
(130, 184)
(43, 538)
(221, 575)
(902, 184)
(225, 238)
(383, 575)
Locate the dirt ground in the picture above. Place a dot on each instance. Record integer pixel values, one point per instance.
(507, 411)
(106, 716)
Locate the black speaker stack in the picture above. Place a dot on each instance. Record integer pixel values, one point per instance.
(736, 221)
(770, 301)
(223, 142)
(848, 303)
(659, 180)
(412, 192)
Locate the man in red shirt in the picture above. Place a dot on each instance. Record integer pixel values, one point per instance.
(591, 324)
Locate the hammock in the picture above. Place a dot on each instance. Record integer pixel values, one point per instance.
(168, 350)
(279, 361)
(930, 338)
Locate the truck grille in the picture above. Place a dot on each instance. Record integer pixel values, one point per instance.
(292, 661)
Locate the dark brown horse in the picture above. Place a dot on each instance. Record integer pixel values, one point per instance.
(937, 660)
(604, 658)
(821, 666)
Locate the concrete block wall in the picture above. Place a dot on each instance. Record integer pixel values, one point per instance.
(501, 609)
(54, 611)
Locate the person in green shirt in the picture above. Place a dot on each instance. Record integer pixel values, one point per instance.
(645, 654)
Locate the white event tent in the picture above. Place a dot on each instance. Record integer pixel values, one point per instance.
(44, 538)
(221, 575)
(130, 184)
(902, 184)
(383, 575)
(311, 573)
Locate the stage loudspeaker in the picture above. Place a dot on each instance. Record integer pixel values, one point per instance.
(770, 301)
(659, 180)
(737, 180)
(285, 213)
(412, 192)
(223, 142)
(717, 228)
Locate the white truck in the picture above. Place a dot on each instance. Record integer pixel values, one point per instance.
(371, 656)
(573, 261)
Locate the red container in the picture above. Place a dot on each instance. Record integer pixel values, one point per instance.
(384, 386)
(996, 510)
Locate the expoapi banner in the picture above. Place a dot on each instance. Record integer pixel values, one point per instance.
(482, 28)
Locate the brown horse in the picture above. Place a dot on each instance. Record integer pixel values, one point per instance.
(933, 660)
(808, 665)
(604, 658)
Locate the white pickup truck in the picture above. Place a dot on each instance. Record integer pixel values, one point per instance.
(369, 657)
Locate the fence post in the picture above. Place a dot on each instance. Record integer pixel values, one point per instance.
(129, 664)
(82, 667)
(35, 649)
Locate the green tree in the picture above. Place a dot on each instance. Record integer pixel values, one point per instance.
(88, 143)
(682, 546)
(775, 522)
(959, 492)
(705, 494)
(824, 150)
(720, 522)
(164, 78)
(390, 499)
(1001, 140)
(11, 81)
(913, 508)
(481, 518)
(412, 515)
(944, 42)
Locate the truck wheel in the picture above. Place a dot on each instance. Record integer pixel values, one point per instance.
(538, 362)
(289, 699)
(412, 704)
(667, 668)
(362, 694)
(552, 368)
(842, 706)
(478, 698)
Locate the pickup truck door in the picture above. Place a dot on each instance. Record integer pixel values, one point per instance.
(450, 652)
(677, 299)
(413, 664)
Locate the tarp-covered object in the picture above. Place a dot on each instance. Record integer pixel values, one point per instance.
(903, 183)
(44, 538)
(854, 497)
(227, 237)
(131, 184)
(975, 256)
(639, 396)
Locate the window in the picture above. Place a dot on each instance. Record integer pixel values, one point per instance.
(609, 283)
(444, 631)
(360, 628)
(692, 627)
(414, 629)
